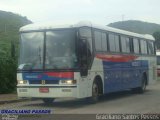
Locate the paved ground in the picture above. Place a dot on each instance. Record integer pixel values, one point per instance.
(8, 97)
(121, 102)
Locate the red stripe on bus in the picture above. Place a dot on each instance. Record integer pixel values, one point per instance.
(117, 58)
(61, 74)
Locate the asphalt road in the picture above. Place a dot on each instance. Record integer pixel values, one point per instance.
(120, 102)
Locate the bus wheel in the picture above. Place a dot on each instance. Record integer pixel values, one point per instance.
(48, 100)
(95, 92)
(142, 88)
(143, 85)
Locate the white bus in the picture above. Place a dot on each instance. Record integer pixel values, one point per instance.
(83, 60)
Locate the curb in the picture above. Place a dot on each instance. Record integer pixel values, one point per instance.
(17, 100)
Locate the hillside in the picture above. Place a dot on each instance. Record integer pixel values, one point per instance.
(136, 26)
(9, 32)
(9, 27)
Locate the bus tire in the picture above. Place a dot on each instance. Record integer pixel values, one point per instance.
(142, 88)
(95, 92)
(48, 100)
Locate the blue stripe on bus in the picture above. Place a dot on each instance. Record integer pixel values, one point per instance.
(40, 76)
(123, 75)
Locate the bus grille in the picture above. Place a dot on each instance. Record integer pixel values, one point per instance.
(46, 82)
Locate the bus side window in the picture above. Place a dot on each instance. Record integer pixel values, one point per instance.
(136, 45)
(125, 43)
(104, 42)
(111, 43)
(114, 43)
(150, 47)
(116, 40)
(143, 45)
(100, 41)
(131, 45)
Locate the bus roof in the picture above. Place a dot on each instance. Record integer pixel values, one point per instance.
(51, 25)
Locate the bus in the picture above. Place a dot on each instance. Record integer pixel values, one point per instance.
(82, 60)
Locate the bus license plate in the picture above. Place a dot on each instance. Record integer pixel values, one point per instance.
(43, 90)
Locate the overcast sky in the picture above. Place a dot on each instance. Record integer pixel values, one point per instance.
(97, 11)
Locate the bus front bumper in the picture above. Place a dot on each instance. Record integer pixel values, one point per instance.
(47, 91)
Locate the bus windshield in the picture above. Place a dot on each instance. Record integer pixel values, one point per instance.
(31, 51)
(55, 51)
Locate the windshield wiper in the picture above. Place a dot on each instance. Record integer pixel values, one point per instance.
(39, 54)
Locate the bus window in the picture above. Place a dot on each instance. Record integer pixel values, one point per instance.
(104, 42)
(150, 47)
(114, 43)
(31, 51)
(125, 44)
(143, 46)
(56, 57)
(136, 45)
(98, 41)
(86, 33)
(111, 43)
(116, 40)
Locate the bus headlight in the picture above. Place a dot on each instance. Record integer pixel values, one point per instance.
(68, 82)
(22, 81)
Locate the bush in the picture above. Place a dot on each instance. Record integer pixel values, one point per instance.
(7, 74)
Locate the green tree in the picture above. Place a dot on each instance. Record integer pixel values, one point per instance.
(156, 35)
(7, 74)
